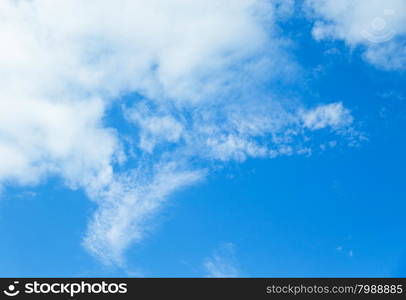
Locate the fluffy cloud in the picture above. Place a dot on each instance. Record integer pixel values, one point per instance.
(199, 68)
(378, 26)
(333, 115)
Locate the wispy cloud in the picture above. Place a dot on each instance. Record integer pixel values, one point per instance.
(223, 262)
(127, 205)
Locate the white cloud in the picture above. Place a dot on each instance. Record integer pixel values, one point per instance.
(223, 262)
(378, 26)
(259, 128)
(334, 115)
(127, 205)
(156, 128)
(200, 67)
(391, 56)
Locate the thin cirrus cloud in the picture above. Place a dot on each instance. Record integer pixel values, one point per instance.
(222, 262)
(199, 70)
(379, 27)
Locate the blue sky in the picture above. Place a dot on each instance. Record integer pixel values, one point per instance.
(274, 147)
